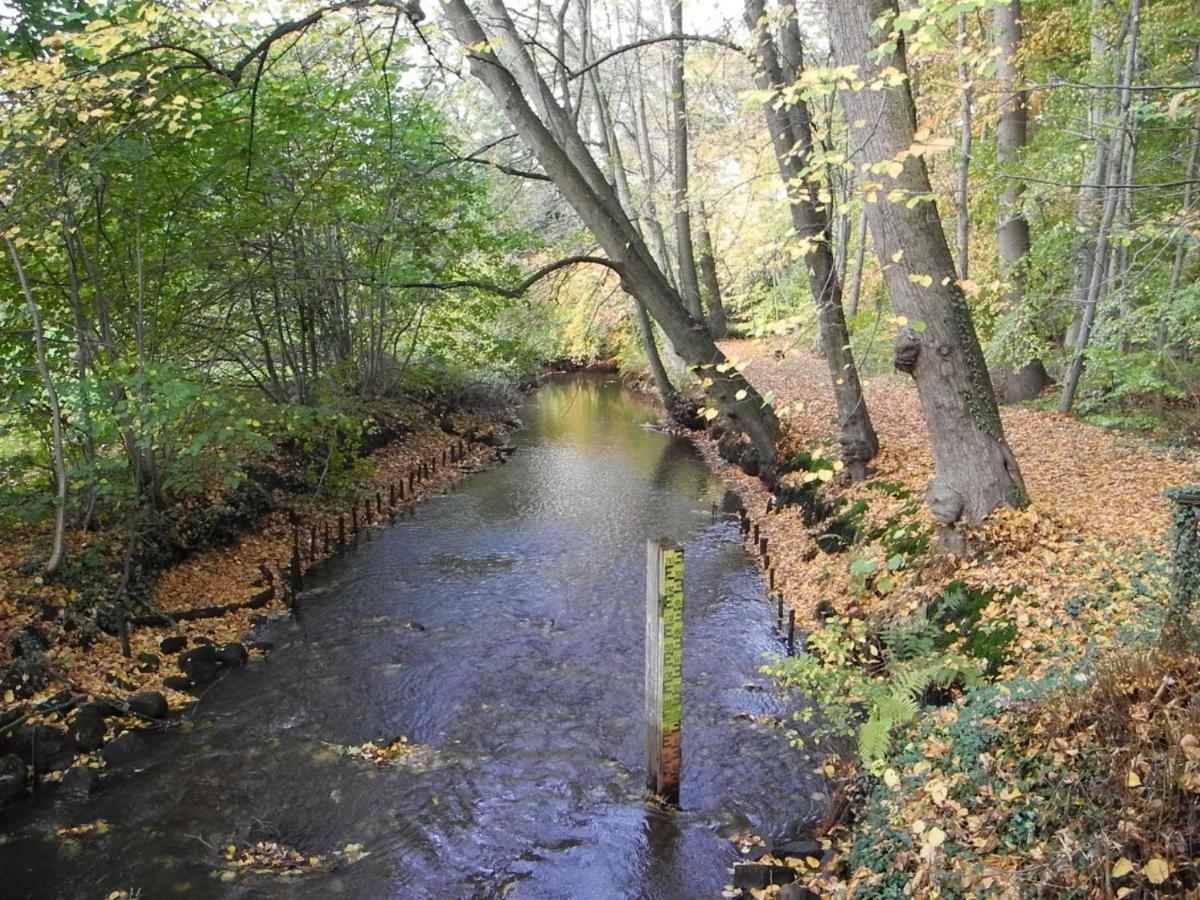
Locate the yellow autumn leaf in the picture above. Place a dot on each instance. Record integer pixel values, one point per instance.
(1156, 871)
(1122, 867)
(935, 837)
(1133, 779)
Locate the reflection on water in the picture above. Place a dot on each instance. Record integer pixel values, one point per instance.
(501, 628)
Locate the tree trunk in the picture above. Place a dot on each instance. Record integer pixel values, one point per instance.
(500, 62)
(791, 135)
(975, 472)
(860, 257)
(1090, 205)
(59, 544)
(1112, 197)
(718, 326)
(1012, 232)
(689, 282)
(962, 209)
(616, 164)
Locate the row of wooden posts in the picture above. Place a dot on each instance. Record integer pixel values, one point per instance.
(759, 542)
(330, 537)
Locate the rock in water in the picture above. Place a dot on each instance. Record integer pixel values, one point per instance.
(87, 729)
(172, 644)
(232, 654)
(201, 664)
(149, 704)
(80, 781)
(761, 875)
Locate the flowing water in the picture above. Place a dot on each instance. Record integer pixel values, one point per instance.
(525, 685)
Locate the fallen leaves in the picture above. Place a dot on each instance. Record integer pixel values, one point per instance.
(1073, 572)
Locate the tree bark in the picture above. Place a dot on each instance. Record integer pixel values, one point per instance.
(718, 325)
(791, 136)
(1012, 231)
(689, 282)
(500, 62)
(975, 471)
(962, 209)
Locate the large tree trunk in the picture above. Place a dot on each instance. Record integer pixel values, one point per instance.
(689, 282)
(500, 62)
(975, 472)
(718, 325)
(791, 136)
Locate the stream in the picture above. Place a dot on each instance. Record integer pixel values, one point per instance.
(500, 629)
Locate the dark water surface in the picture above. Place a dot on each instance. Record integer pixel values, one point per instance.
(526, 685)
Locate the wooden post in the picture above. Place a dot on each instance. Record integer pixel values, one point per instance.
(325, 544)
(379, 502)
(295, 573)
(400, 489)
(791, 632)
(762, 546)
(767, 562)
(411, 478)
(664, 668)
(756, 532)
(312, 542)
(392, 495)
(341, 533)
(779, 617)
(354, 519)
(771, 579)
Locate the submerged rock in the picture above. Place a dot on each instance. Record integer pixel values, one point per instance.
(126, 748)
(81, 781)
(12, 777)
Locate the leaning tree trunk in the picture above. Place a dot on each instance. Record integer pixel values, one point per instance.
(791, 135)
(501, 63)
(975, 472)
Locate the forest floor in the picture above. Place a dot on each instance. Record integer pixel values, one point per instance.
(1074, 768)
(55, 663)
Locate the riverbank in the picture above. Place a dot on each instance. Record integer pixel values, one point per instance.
(70, 694)
(1044, 745)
